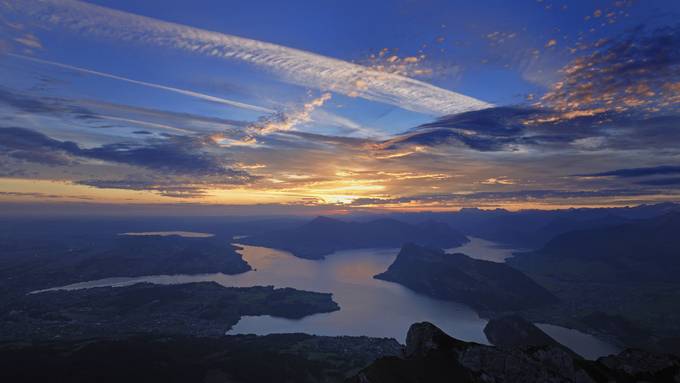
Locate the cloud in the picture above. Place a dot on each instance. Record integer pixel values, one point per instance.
(639, 70)
(293, 65)
(164, 187)
(29, 40)
(499, 121)
(621, 95)
(178, 154)
(287, 121)
(492, 129)
(173, 154)
(498, 181)
(593, 108)
(486, 130)
(42, 195)
(516, 128)
(636, 172)
(322, 140)
(178, 118)
(31, 146)
(505, 196)
(437, 137)
(27, 104)
(389, 61)
(661, 182)
(94, 112)
(184, 92)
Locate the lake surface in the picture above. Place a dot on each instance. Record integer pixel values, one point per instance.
(485, 250)
(585, 345)
(368, 306)
(187, 234)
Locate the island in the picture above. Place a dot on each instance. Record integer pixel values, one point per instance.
(323, 236)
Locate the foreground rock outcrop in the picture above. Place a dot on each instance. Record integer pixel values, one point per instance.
(432, 356)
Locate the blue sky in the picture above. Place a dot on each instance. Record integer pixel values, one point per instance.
(351, 30)
(336, 102)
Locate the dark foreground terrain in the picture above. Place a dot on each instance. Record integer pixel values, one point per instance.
(429, 356)
(240, 358)
(197, 309)
(432, 356)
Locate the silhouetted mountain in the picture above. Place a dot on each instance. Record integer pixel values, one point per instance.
(433, 356)
(323, 236)
(620, 281)
(637, 251)
(534, 228)
(26, 265)
(69, 231)
(483, 285)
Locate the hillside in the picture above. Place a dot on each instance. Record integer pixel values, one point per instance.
(323, 236)
(483, 285)
(619, 281)
(640, 251)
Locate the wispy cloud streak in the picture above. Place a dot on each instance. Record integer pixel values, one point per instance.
(293, 65)
(184, 92)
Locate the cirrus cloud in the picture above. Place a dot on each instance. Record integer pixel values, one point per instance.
(293, 65)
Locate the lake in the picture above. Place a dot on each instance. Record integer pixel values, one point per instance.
(368, 306)
(186, 234)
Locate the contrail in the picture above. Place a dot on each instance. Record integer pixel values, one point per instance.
(144, 123)
(292, 65)
(185, 92)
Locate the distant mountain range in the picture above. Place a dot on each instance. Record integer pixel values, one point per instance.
(531, 229)
(644, 250)
(619, 280)
(484, 285)
(323, 236)
(34, 265)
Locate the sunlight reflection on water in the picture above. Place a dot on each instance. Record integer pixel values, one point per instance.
(368, 306)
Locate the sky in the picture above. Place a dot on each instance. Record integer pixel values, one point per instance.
(339, 106)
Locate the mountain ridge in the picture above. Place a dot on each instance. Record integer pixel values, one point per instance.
(324, 235)
(485, 286)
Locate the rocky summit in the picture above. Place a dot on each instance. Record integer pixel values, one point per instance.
(433, 356)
